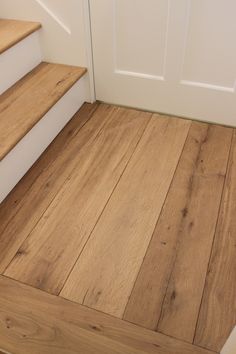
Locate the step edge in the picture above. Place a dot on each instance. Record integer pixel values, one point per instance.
(36, 27)
(12, 145)
(32, 145)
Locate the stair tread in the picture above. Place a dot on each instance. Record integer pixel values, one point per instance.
(25, 103)
(13, 31)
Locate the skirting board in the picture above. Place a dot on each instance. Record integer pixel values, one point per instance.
(19, 60)
(230, 346)
(19, 160)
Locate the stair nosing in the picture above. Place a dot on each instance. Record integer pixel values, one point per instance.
(37, 26)
(13, 144)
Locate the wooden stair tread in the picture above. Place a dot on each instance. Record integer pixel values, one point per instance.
(13, 31)
(25, 103)
(34, 322)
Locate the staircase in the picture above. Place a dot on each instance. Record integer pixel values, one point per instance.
(37, 99)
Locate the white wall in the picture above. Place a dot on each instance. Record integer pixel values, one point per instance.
(63, 35)
(230, 346)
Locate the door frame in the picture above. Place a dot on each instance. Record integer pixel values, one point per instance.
(89, 48)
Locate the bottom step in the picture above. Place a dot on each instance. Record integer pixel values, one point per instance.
(18, 161)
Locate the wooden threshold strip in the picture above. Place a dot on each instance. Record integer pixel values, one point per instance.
(34, 322)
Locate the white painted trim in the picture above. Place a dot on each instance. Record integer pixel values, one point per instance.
(89, 49)
(18, 60)
(55, 18)
(208, 86)
(139, 75)
(230, 346)
(27, 151)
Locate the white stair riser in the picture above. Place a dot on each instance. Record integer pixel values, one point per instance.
(18, 60)
(27, 151)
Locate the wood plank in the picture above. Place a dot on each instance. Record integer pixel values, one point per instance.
(105, 272)
(46, 84)
(71, 328)
(15, 200)
(185, 288)
(47, 256)
(53, 173)
(183, 218)
(218, 311)
(13, 31)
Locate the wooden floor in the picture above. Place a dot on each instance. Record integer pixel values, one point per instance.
(131, 217)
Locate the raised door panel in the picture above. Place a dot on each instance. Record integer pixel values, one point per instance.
(210, 55)
(174, 57)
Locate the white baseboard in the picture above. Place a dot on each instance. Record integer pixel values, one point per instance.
(27, 151)
(19, 60)
(230, 346)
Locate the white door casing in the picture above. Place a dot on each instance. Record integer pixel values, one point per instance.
(175, 57)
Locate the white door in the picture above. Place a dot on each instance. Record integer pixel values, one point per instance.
(171, 56)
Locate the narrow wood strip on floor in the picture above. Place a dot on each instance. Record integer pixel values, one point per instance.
(47, 256)
(33, 322)
(184, 229)
(218, 311)
(105, 272)
(16, 199)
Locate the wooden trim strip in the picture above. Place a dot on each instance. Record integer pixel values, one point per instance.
(34, 322)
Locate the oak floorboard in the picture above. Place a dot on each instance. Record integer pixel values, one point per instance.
(106, 270)
(34, 322)
(218, 310)
(54, 171)
(199, 217)
(47, 256)
(16, 199)
(183, 224)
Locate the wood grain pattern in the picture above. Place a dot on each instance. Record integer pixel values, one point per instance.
(183, 298)
(218, 311)
(183, 224)
(47, 256)
(33, 322)
(90, 183)
(13, 31)
(106, 270)
(15, 200)
(25, 103)
(53, 171)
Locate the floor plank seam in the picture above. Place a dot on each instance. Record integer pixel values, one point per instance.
(184, 341)
(125, 216)
(178, 239)
(135, 148)
(40, 291)
(2, 205)
(174, 260)
(59, 189)
(157, 221)
(213, 241)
